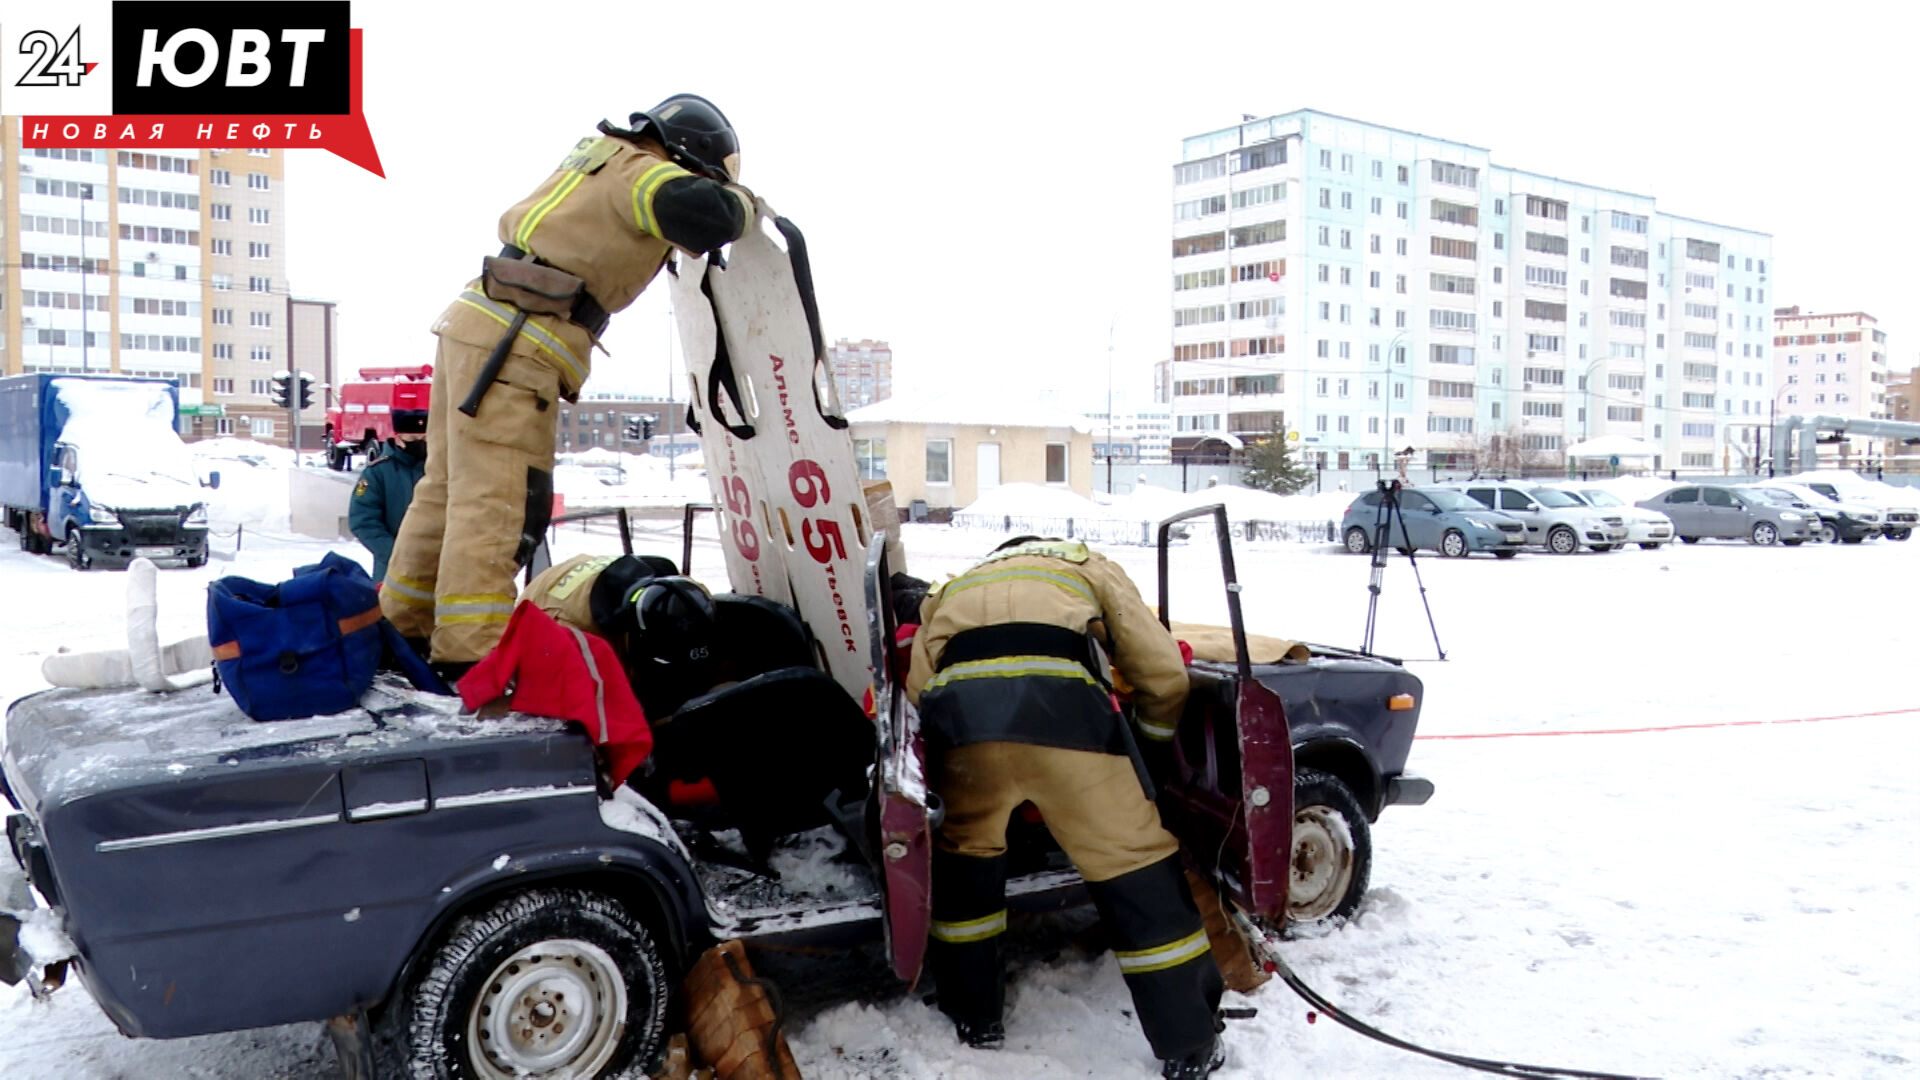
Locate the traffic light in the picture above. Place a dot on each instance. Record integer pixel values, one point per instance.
(282, 388)
(632, 431)
(306, 390)
(646, 428)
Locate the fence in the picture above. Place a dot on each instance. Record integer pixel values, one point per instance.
(1143, 533)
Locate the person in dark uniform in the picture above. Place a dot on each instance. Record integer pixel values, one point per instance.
(1009, 672)
(385, 489)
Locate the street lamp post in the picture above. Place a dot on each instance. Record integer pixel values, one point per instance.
(86, 194)
(1773, 420)
(1386, 400)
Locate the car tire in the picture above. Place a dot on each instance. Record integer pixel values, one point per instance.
(1853, 539)
(1764, 534)
(1562, 540)
(1689, 539)
(1357, 542)
(1899, 534)
(1505, 554)
(1791, 543)
(1826, 533)
(1649, 546)
(75, 551)
(491, 1000)
(1601, 547)
(1454, 544)
(1332, 849)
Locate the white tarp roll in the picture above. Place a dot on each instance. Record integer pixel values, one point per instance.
(144, 662)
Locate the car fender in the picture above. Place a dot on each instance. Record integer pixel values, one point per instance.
(637, 870)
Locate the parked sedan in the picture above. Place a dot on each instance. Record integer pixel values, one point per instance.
(1554, 519)
(1835, 522)
(1704, 510)
(1648, 528)
(1436, 520)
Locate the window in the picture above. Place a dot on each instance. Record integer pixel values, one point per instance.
(1620, 350)
(1346, 239)
(1325, 273)
(1374, 205)
(1343, 425)
(1454, 213)
(223, 352)
(1199, 208)
(1450, 354)
(1699, 281)
(1266, 232)
(1320, 350)
(260, 352)
(1326, 235)
(1326, 159)
(1373, 279)
(262, 427)
(1195, 171)
(257, 181)
(1346, 200)
(1200, 279)
(1496, 410)
(1703, 250)
(1544, 376)
(1450, 283)
(1400, 283)
(1546, 275)
(255, 387)
(259, 215)
(1056, 463)
(1499, 241)
(221, 282)
(1457, 175)
(1199, 245)
(1702, 311)
(1400, 210)
(1540, 442)
(259, 284)
(1445, 319)
(220, 178)
(1343, 387)
(1626, 256)
(1699, 341)
(1437, 388)
(260, 318)
(1626, 382)
(1541, 408)
(939, 461)
(1540, 309)
(1696, 401)
(1259, 196)
(1551, 209)
(1194, 316)
(1326, 198)
(1636, 320)
(1400, 245)
(1547, 242)
(1244, 385)
(222, 386)
(1631, 290)
(1497, 276)
(1451, 248)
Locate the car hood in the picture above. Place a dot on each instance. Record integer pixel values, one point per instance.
(1485, 517)
(115, 492)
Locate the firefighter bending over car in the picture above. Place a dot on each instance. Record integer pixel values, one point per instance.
(517, 341)
(1011, 682)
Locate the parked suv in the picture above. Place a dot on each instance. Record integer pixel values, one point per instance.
(1648, 528)
(1554, 519)
(1902, 514)
(1703, 510)
(1437, 519)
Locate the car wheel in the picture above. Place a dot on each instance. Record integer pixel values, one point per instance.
(550, 982)
(1899, 534)
(1562, 541)
(1689, 539)
(1827, 534)
(1645, 546)
(75, 552)
(1601, 547)
(1357, 541)
(1852, 539)
(1505, 554)
(1764, 533)
(1332, 849)
(1791, 543)
(1454, 544)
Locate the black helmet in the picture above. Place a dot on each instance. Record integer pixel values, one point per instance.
(673, 619)
(696, 134)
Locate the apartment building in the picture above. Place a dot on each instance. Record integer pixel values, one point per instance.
(161, 263)
(1377, 290)
(862, 371)
(1831, 365)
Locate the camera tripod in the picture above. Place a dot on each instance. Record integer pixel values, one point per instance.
(1390, 512)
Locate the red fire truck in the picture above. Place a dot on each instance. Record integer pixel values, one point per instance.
(364, 413)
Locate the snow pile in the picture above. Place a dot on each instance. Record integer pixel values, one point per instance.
(600, 477)
(1030, 501)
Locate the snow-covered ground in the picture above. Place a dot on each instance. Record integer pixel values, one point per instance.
(1731, 896)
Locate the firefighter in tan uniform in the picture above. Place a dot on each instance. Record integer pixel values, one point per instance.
(517, 341)
(1015, 707)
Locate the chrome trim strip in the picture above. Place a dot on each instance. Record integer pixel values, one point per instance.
(375, 811)
(218, 832)
(509, 795)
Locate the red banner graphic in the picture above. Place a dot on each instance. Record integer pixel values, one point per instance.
(346, 136)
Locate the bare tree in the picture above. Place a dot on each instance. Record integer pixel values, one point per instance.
(1503, 453)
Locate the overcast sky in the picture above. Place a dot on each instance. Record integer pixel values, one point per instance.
(988, 186)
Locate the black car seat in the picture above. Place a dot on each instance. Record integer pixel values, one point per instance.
(757, 635)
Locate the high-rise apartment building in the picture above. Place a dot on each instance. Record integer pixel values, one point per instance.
(1375, 289)
(161, 263)
(1831, 365)
(862, 371)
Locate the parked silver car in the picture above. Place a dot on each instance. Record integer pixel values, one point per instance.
(1716, 510)
(1554, 519)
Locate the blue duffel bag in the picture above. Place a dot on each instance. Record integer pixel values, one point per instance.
(308, 646)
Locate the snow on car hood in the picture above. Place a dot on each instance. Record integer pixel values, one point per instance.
(117, 492)
(129, 455)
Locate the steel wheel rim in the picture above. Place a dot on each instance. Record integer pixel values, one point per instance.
(1764, 533)
(1356, 541)
(1321, 869)
(1453, 545)
(1829, 534)
(555, 1008)
(1563, 542)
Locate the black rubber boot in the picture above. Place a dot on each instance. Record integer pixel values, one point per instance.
(990, 1035)
(1198, 1065)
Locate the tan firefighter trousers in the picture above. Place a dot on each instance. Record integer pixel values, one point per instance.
(482, 506)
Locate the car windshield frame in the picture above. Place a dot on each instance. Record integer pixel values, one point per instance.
(1546, 496)
(1773, 496)
(1594, 497)
(1443, 496)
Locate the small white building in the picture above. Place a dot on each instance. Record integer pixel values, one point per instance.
(945, 450)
